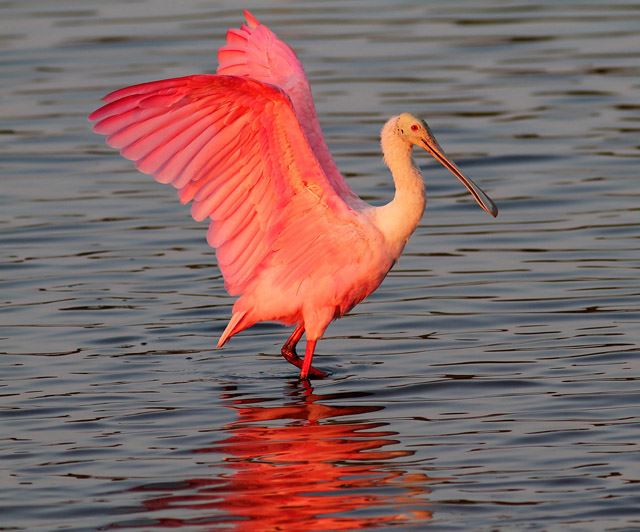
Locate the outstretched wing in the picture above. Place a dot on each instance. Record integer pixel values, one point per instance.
(235, 148)
(254, 52)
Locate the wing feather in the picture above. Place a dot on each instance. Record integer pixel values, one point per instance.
(187, 126)
(236, 148)
(199, 170)
(154, 149)
(239, 230)
(254, 52)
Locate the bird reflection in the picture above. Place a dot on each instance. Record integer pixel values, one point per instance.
(298, 466)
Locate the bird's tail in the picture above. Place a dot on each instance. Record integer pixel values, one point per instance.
(239, 322)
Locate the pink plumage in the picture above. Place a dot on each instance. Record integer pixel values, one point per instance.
(245, 147)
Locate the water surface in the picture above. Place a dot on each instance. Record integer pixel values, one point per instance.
(491, 383)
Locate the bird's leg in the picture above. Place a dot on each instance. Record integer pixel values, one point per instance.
(307, 369)
(289, 348)
(288, 351)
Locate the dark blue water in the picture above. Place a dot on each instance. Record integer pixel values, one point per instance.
(491, 383)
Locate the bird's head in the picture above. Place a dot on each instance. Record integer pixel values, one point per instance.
(415, 131)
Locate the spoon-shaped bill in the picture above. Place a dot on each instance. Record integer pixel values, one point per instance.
(430, 144)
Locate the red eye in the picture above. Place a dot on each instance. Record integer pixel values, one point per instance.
(414, 127)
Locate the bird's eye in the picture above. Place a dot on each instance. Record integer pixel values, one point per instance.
(414, 127)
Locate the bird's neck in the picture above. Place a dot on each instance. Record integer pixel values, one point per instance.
(398, 219)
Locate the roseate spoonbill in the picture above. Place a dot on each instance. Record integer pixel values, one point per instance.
(245, 145)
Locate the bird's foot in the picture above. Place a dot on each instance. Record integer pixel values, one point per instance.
(314, 373)
(292, 357)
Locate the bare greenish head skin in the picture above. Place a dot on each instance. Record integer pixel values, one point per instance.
(417, 132)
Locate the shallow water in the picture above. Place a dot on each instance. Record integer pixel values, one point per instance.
(491, 383)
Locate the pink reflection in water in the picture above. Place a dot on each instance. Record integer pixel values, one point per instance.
(297, 467)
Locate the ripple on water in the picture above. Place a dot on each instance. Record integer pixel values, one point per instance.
(490, 383)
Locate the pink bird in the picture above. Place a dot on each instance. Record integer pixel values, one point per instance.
(245, 146)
